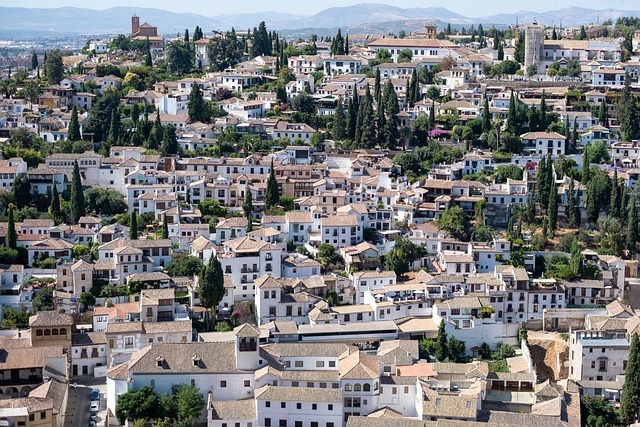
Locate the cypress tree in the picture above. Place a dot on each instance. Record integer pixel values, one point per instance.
(54, 207)
(339, 126)
(156, 134)
(486, 116)
(500, 52)
(170, 141)
(247, 206)
(413, 89)
(380, 124)
(552, 210)
(534, 119)
(186, 35)
(512, 115)
(571, 205)
(391, 132)
(165, 227)
(377, 89)
(543, 113)
(148, 62)
(585, 165)
(632, 227)
(34, 60)
(77, 195)
(603, 114)
(628, 113)
(114, 129)
(593, 205)
(133, 229)
(630, 399)
(615, 199)
(575, 130)
(365, 125)
(432, 115)
(12, 236)
(352, 117)
(197, 107)
(408, 94)
(74, 126)
(542, 183)
(442, 348)
(272, 193)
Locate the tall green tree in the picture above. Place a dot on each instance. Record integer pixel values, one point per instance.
(247, 206)
(390, 128)
(442, 347)
(572, 211)
(190, 403)
(178, 56)
(54, 67)
(543, 185)
(365, 125)
(133, 226)
(631, 238)
(352, 116)
(454, 222)
(512, 115)
(12, 236)
(197, 107)
(543, 113)
(628, 113)
(585, 165)
(74, 126)
(77, 195)
(54, 207)
(377, 87)
(630, 398)
(21, 191)
(170, 141)
(339, 126)
(616, 198)
(114, 131)
(165, 227)
(552, 210)
(603, 114)
(272, 192)
(34, 60)
(486, 116)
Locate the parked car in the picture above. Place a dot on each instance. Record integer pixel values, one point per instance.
(94, 406)
(95, 394)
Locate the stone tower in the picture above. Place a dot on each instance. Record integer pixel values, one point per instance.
(135, 24)
(533, 46)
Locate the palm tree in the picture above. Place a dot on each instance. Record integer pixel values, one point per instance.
(497, 126)
(405, 134)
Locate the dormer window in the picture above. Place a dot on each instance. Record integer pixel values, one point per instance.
(160, 361)
(196, 361)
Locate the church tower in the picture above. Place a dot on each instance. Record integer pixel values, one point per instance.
(135, 25)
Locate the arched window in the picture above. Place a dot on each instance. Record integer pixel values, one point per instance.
(347, 387)
(366, 387)
(357, 387)
(47, 332)
(375, 385)
(38, 332)
(63, 331)
(54, 331)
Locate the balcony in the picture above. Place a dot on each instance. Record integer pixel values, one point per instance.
(249, 270)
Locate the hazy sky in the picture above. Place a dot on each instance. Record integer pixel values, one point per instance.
(470, 8)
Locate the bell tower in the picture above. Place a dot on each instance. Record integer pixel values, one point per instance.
(135, 24)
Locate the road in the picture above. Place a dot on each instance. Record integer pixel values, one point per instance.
(78, 414)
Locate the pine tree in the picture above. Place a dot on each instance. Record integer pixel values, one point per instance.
(632, 227)
(630, 398)
(54, 206)
(77, 195)
(552, 210)
(272, 193)
(12, 236)
(247, 207)
(339, 126)
(165, 227)
(615, 199)
(486, 116)
(133, 229)
(74, 126)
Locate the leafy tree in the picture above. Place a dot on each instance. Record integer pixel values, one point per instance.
(225, 51)
(630, 399)
(598, 412)
(247, 207)
(12, 236)
(485, 351)
(327, 255)
(189, 402)
(453, 221)
(405, 55)
(77, 195)
(184, 266)
(178, 54)
(457, 349)
(272, 192)
(54, 68)
(397, 261)
(133, 228)
(101, 112)
(80, 250)
(74, 126)
(137, 404)
(21, 191)
(303, 102)
(43, 299)
(211, 284)
(504, 351)
(165, 227)
(87, 299)
(442, 346)
(197, 106)
(104, 201)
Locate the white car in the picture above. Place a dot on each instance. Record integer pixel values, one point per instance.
(94, 406)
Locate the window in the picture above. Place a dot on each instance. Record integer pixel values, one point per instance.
(267, 421)
(299, 363)
(43, 415)
(330, 407)
(247, 383)
(283, 404)
(347, 387)
(314, 406)
(223, 384)
(366, 387)
(283, 423)
(267, 404)
(298, 405)
(357, 387)
(332, 363)
(319, 364)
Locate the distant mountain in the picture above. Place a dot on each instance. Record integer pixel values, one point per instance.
(68, 20)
